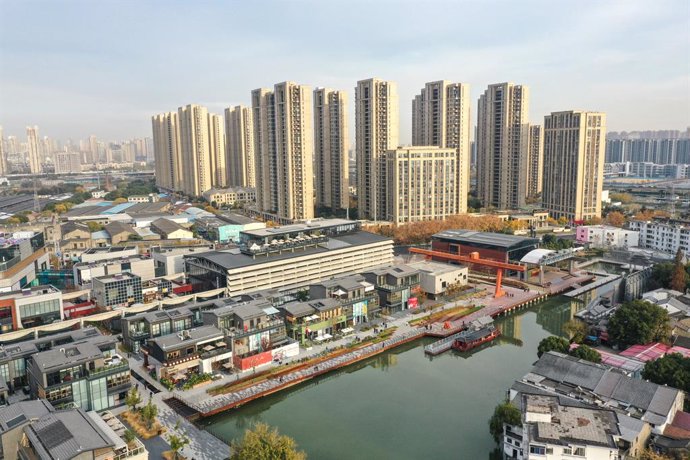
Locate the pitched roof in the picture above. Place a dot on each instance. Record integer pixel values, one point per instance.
(115, 228)
(166, 226)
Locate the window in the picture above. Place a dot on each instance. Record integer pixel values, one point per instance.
(539, 450)
(579, 451)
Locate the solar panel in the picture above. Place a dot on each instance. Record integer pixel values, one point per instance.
(54, 434)
(11, 423)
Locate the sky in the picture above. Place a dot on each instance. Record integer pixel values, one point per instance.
(103, 67)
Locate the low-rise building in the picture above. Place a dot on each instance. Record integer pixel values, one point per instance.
(231, 196)
(150, 198)
(117, 291)
(108, 253)
(169, 260)
(397, 286)
(80, 373)
(356, 295)
(75, 239)
(137, 330)
(315, 320)
(141, 266)
(604, 236)
(662, 234)
(119, 232)
(290, 256)
(30, 307)
(170, 230)
(22, 255)
(437, 278)
(226, 227)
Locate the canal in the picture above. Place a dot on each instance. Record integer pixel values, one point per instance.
(403, 404)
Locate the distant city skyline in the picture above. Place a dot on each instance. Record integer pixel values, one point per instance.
(80, 68)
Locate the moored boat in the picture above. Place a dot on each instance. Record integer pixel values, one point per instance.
(470, 339)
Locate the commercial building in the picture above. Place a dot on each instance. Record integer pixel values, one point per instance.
(662, 234)
(284, 150)
(357, 296)
(376, 132)
(137, 330)
(30, 307)
(117, 291)
(80, 373)
(23, 254)
(495, 246)
(108, 253)
(170, 260)
(438, 278)
(503, 145)
(421, 184)
(67, 162)
(289, 257)
(397, 286)
(231, 196)
(141, 266)
(330, 149)
(166, 148)
(574, 161)
(604, 236)
(226, 227)
(535, 161)
(441, 117)
(239, 145)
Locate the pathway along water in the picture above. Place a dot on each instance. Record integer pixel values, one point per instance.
(403, 404)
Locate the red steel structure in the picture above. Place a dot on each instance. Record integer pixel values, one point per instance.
(473, 258)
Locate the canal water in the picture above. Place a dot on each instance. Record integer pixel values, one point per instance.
(403, 404)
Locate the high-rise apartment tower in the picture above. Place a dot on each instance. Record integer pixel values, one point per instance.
(331, 146)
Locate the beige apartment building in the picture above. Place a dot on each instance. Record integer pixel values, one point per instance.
(441, 117)
(200, 141)
(33, 149)
(574, 143)
(265, 161)
(3, 154)
(535, 161)
(422, 183)
(330, 149)
(294, 150)
(67, 162)
(216, 138)
(239, 144)
(377, 122)
(502, 146)
(166, 151)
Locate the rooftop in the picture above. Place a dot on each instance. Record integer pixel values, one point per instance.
(594, 427)
(116, 277)
(110, 249)
(237, 219)
(184, 338)
(167, 225)
(433, 267)
(69, 355)
(30, 292)
(22, 412)
(486, 238)
(308, 226)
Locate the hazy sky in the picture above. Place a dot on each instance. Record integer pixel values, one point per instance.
(104, 67)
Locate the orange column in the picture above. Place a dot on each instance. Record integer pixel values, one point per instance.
(499, 278)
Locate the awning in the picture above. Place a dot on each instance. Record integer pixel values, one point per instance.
(227, 365)
(320, 338)
(221, 344)
(347, 330)
(209, 348)
(179, 376)
(327, 336)
(271, 311)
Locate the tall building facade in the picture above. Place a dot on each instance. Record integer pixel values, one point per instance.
(535, 161)
(265, 161)
(502, 146)
(421, 183)
(294, 150)
(3, 154)
(33, 149)
(574, 143)
(331, 146)
(441, 117)
(199, 144)
(377, 131)
(216, 140)
(239, 144)
(166, 151)
(67, 162)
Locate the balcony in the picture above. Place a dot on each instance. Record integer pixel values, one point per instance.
(235, 332)
(109, 369)
(137, 335)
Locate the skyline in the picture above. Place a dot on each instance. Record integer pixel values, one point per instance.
(84, 68)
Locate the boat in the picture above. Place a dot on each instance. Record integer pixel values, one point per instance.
(469, 339)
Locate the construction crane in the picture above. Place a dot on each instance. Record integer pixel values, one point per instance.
(473, 258)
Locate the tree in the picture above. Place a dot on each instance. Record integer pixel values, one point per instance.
(661, 275)
(504, 413)
(679, 280)
(672, 370)
(263, 443)
(149, 413)
(563, 220)
(129, 436)
(553, 343)
(649, 454)
(576, 329)
(624, 198)
(119, 200)
(615, 219)
(586, 353)
(133, 398)
(94, 226)
(639, 322)
(177, 440)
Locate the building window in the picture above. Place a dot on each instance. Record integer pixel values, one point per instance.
(538, 450)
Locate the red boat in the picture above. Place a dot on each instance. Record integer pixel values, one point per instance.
(470, 339)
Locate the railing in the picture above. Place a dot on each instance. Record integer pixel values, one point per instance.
(283, 246)
(108, 369)
(131, 452)
(216, 352)
(236, 332)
